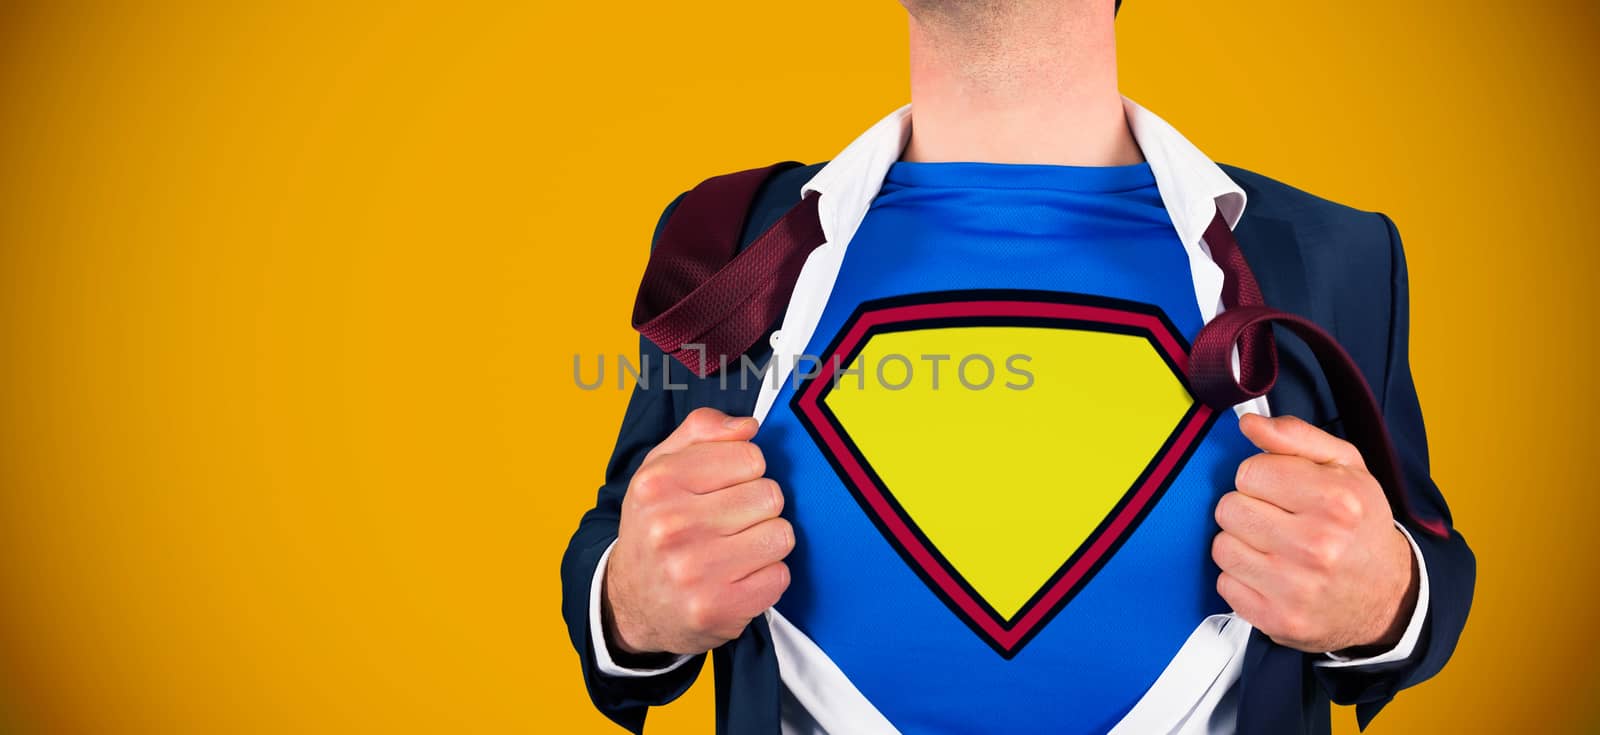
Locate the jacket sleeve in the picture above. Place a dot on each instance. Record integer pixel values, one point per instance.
(651, 415)
(1451, 566)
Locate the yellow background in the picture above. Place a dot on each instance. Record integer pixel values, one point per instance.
(289, 440)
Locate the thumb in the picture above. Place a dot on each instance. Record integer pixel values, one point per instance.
(1294, 436)
(707, 424)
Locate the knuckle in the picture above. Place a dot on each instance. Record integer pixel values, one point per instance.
(774, 579)
(758, 461)
(1221, 551)
(781, 538)
(1344, 506)
(778, 586)
(655, 535)
(663, 530)
(1226, 586)
(632, 504)
(1324, 552)
(648, 483)
(678, 570)
(1249, 469)
(782, 574)
(1241, 514)
(699, 613)
(1354, 507)
(772, 592)
(1349, 478)
(1295, 426)
(772, 497)
(700, 421)
(1260, 471)
(1226, 508)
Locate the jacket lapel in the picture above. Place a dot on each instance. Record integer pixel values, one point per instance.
(1273, 248)
(1274, 690)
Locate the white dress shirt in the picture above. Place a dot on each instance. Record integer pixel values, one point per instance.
(1197, 692)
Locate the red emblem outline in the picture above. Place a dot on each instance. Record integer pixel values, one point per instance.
(999, 308)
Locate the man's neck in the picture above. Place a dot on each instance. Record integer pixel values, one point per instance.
(1016, 81)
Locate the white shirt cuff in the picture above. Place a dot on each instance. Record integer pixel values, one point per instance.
(597, 632)
(1408, 639)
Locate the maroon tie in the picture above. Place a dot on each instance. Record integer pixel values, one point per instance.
(705, 302)
(701, 304)
(1247, 322)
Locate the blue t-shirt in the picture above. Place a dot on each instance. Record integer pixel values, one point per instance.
(1001, 488)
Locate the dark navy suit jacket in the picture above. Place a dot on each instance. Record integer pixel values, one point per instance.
(1340, 267)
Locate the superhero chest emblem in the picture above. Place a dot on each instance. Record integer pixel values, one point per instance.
(1005, 443)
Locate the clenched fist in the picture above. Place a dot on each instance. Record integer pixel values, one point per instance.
(700, 546)
(1309, 551)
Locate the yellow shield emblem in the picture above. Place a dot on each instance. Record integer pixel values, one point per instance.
(1004, 442)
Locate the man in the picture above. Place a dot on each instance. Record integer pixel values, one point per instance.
(1060, 537)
